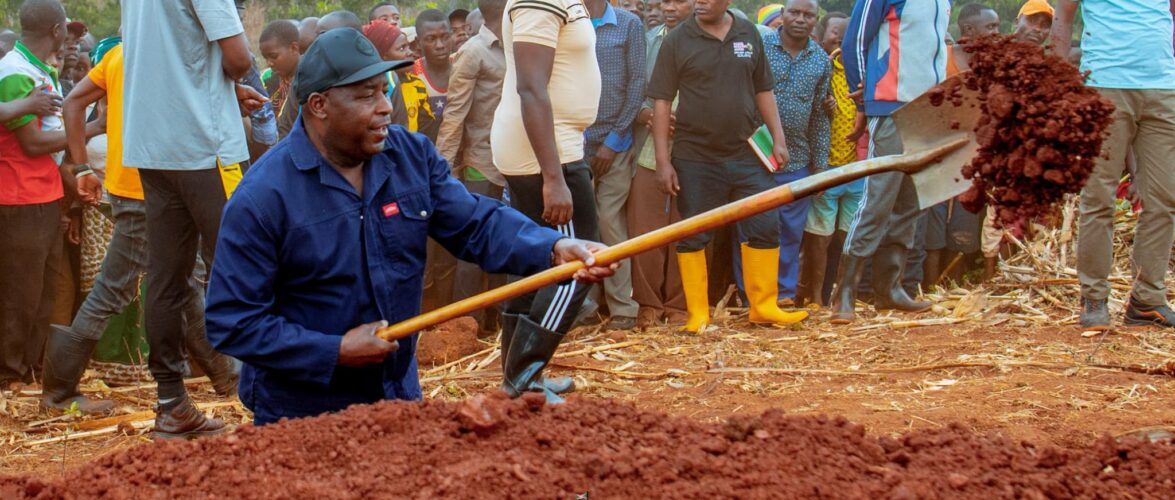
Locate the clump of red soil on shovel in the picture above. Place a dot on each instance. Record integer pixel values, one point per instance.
(493, 447)
(1039, 133)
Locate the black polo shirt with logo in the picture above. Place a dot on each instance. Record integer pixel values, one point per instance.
(715, 82)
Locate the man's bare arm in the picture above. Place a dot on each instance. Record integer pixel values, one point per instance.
(534, 65)
(36, 142)
(85, 93)
(237, 59)
(1062, 33)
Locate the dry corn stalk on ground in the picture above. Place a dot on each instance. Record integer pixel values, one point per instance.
(1005, 357)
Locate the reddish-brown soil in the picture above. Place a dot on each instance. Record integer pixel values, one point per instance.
(449, 341)
(490, 446)
(1039, 132)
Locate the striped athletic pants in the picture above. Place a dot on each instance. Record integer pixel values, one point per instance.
(555, 307)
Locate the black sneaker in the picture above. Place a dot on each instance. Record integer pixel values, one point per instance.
(1094, 315)
(1138, 314)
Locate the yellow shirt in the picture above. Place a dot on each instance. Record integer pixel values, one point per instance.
(841, 151)
(120, 180)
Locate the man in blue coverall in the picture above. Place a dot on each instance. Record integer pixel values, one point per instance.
(324, 242)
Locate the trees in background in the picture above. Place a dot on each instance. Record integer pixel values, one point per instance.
(102, 16)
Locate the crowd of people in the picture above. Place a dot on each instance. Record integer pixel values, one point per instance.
(282, 216)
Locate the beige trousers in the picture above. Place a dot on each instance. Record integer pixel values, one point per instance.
(1145, 121)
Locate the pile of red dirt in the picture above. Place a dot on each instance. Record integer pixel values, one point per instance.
(1040, 129)
(490, 446)
(448, 341)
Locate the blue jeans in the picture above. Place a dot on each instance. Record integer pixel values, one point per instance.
(117, 282)
(118, 279)
(792, 219)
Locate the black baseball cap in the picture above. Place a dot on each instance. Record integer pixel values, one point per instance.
(338, 58)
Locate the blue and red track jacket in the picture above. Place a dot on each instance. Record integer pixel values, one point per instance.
(898, 48)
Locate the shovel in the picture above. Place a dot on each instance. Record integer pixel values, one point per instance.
(938, 141)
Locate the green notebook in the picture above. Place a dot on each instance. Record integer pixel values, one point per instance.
(763, 146)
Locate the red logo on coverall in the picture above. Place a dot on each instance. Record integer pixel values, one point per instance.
(391, 209)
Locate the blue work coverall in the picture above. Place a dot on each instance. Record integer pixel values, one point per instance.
(302, 258)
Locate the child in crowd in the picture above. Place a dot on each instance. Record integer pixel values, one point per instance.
(279, 47)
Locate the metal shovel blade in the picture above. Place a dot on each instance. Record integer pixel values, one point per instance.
(924, 126)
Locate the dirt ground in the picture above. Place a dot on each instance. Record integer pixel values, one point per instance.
(1046, 382)
(1031, 382)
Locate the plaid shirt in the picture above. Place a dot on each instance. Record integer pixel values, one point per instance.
(620, 49)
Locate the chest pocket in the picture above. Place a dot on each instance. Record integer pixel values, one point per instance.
(403, 226)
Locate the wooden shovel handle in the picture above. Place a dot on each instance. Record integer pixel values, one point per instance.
(718, 217)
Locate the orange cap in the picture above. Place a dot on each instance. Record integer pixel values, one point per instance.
(1036, 7)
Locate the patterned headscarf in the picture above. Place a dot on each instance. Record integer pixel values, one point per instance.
(382, 34)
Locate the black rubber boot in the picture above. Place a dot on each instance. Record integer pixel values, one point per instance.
(558, 385)
(509, 323)
(531, 349)
(844, 298)
(813, 265)
(66, 357)
(887, 281)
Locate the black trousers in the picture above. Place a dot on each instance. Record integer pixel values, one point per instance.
(706, 186)
(183, 213)
(30, 245)
(555, 307)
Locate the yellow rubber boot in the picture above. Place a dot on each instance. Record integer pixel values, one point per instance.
(761, 275)
(696, 284)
